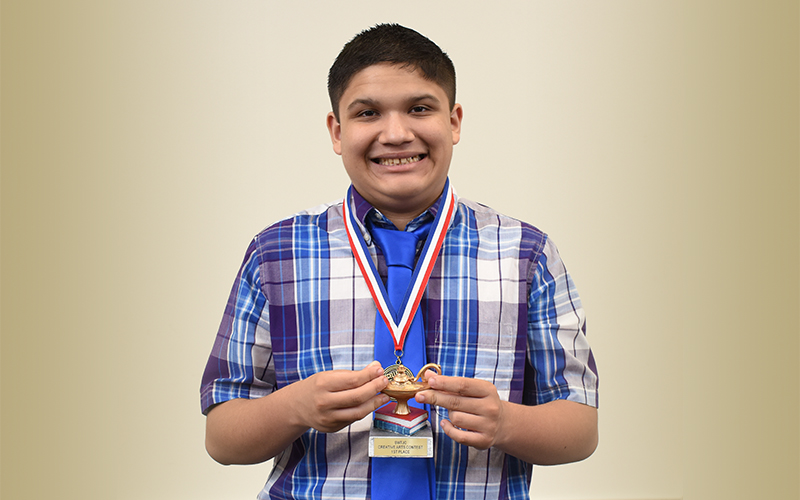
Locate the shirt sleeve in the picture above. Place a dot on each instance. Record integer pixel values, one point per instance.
(241, 364)
(562, 365)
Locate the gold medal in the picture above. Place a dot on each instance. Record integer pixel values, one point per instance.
(392, 371)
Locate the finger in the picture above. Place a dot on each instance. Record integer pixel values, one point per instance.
(374, 367)
(373, 404)
(351, 414)
(466, 437)
(462, 386)
(452, 402)
(429, 373)
(471, 422)
(357, 396)
(342, 380)
(370, 372)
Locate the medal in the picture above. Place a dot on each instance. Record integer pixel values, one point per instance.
(398, 369)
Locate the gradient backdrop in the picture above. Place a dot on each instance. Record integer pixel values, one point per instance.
(145, 142)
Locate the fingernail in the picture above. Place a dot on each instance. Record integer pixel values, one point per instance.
(420, 397)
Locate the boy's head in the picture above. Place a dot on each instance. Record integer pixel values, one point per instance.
(392, 44)
(394, 120)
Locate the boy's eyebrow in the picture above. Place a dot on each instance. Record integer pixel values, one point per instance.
(365, 102)
(373, 103)
(424, 97)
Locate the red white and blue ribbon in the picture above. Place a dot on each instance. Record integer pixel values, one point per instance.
(398, 322)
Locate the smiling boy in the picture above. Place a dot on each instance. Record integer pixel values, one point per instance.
(293, 374)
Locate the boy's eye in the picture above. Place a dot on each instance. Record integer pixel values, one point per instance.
(418, 109)
(367, 113)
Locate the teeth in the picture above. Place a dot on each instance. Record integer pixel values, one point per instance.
(399, 161)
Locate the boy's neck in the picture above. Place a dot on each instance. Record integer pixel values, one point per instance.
(399, 220)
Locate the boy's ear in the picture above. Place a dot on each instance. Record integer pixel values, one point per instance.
(455, 122)
(335, 129)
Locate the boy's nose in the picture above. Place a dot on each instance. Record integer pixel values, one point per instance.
(396, 130)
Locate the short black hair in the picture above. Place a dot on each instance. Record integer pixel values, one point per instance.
(393, 44)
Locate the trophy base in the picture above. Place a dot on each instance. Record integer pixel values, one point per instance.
(384, 443)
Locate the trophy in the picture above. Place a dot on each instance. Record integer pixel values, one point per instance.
(400, 430)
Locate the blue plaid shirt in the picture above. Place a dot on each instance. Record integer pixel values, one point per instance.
(499, 306)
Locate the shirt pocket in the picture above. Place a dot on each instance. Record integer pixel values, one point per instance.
(488, 351)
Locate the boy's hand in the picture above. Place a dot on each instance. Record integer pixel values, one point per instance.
(335, 399)
(475, 408)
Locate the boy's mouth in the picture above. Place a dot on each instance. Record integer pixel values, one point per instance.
(387, 162)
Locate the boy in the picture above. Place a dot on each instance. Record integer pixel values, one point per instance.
(312, 320)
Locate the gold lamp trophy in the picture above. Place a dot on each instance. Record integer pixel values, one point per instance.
(400, 430)
(403, 385)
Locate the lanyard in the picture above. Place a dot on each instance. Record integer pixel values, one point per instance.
(398, 324)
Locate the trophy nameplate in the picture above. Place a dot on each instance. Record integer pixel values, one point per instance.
(389, 444)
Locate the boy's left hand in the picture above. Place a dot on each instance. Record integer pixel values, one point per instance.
(475, 408)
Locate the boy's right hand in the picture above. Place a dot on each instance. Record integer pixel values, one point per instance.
(331, 400)
(250, 431)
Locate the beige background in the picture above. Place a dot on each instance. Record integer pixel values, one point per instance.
(145, 142)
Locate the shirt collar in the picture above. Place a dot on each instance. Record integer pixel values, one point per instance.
(363, 210)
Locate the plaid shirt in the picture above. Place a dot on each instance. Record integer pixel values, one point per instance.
(499, 306)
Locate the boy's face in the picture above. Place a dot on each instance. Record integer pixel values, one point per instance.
(395, 134)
